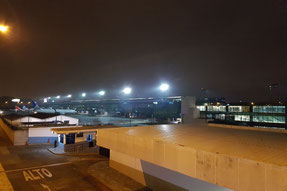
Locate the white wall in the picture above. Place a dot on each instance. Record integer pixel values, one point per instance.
(41, 132)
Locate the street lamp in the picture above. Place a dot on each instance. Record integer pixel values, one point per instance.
(69, 96)
(164, 87)
(102, 93)
(58, 97)
(84, 94)
(3, 28)
(127, 90)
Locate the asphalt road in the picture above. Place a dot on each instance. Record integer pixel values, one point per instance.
(34, 168)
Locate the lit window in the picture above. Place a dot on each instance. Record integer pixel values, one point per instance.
(201, 108)
(216, 108)
(245, 118)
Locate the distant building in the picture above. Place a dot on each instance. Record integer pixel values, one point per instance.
(35, 128)
(264, 115)
(39, 119)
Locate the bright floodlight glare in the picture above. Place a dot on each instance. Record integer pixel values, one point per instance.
(58, 97)
(16, 100)
(3, 28)
(101, 93)
(164, 87)
(69, 96)
(84, 94)
(127, 90)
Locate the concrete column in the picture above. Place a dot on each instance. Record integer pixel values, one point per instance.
(285, 117)
(189, 111)
(64, 139)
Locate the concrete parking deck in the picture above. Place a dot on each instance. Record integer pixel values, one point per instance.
(236, 159)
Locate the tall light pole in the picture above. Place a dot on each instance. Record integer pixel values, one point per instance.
(101, 94)
(127, 91)
(164, 87)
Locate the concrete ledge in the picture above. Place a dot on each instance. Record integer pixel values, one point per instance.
(248, 128)
(88, 152)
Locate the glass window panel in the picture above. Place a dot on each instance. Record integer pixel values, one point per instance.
(269, 109)
(216, 108)
(269, 119)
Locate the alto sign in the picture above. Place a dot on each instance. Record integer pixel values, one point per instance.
(36, 174)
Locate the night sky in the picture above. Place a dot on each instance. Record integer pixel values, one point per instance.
(234, 49)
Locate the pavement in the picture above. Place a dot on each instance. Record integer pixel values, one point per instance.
(34, 168)
(113, 178)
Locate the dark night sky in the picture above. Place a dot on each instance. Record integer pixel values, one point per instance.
(234, 49)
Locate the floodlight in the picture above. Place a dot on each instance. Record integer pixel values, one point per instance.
(102, 93)
(164, 87)
(127, 90)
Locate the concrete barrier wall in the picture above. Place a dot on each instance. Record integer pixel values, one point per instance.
(20, 137)
(157, 177)
(17, 137)
(231, 172)
(7, 130)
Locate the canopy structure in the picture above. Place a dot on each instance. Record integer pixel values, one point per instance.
(79, 129)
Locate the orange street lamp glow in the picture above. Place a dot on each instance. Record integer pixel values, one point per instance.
(3, 28)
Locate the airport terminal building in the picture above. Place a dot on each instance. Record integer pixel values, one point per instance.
(165, 110)
(262, 115)
(34, 128)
